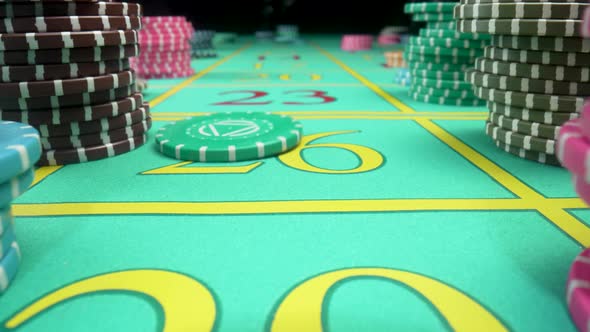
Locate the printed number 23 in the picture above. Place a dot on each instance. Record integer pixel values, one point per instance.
(323, 97)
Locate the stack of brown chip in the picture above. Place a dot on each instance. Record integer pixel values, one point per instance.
(64, 69)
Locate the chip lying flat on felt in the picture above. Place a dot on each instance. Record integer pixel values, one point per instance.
(229, 137)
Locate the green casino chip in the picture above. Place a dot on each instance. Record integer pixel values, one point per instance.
(523, 27)
(543, 72)
(224, 38)
(531, 100)
(535, 43)
(448, 43)
(445, 33)
(524, 127)
(433, 17)
(229, 137)
(438, 74)
(446, 51)
(539, 157)
(445, 101)
(567, 11)
(429, 7)
(446, 93)
(451, 25)
(540, 116)
(443, 84)
(526, 142)
(431, 66)
(527, 85)
(440, 59)
(571, 59)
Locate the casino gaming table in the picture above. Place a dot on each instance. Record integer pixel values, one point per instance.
(390, 215)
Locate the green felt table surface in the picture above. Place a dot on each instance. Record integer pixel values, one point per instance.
(391, 215)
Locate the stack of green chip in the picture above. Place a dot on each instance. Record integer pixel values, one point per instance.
(221, 38)
(287, 33)
(439, 56)
(202, 44)
(534, 75)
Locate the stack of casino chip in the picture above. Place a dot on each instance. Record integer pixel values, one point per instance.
(221, 38)
(577, 295)
(165, 48)
(403, 77)
(65, 70)
(264, 35)
(287, 33)
(439, 56)
(534, 75)
(20, 148)
(391, 35)
(394, 59)
(202, 44)
(353, 43)
(573, 149)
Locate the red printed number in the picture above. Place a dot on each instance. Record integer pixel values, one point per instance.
(243, 101)
(313, 97)
(311, 94)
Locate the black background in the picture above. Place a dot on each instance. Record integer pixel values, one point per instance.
(312, 16)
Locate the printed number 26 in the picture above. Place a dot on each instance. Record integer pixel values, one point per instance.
(323, 97)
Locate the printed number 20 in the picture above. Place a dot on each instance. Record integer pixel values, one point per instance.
(249, 100)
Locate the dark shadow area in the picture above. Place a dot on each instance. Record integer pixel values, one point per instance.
(312, 16)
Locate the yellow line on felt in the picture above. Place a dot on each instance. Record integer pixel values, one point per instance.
(374, 87)
(341, 117)
(271, 207)
(43, 172)
(573, 227)
(569, 224)
(161, 98)
(367, 113)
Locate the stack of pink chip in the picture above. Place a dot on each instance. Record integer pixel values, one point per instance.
(389, 39)
(573, 146)
(353, 43)
(165, 48)
(573, 151)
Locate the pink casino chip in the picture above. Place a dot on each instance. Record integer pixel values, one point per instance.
(392, 39)
(578, 291)
(585, 119)
(356, 42)
(573, 148)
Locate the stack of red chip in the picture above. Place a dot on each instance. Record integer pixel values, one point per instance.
(165, 48)
(356, 42)
(65, 70)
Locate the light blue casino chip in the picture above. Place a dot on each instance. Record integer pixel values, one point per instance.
(9, 266)
(15, 187)
(6, 219)
(20, 149)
